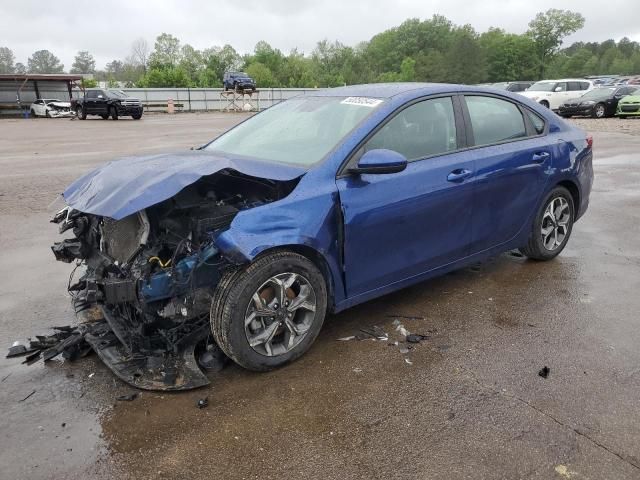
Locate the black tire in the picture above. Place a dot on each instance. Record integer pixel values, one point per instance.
(113, 112)
(599, 111)
(33, 113)
(566, 115)
(535, 248)
(136, 117)
(234, 294)
(544, 103)
(80, 113)
(104, 116)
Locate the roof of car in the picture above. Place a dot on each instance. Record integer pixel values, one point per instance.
(388, 90)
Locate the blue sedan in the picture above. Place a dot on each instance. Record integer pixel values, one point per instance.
(315, 205)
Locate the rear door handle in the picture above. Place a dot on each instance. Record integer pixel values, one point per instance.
(458, 175)
(540, 157)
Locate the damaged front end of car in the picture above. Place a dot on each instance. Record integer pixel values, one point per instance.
(148, 278)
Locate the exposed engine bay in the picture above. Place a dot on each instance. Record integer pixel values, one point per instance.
(146, 281)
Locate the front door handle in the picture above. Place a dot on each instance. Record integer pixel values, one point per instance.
(540, 157)
(458, 175)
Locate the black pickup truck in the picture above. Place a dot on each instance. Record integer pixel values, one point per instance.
(106, 103)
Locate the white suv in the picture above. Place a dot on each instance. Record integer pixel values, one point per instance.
(553, 93)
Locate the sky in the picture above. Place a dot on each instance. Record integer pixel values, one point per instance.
(107, 28)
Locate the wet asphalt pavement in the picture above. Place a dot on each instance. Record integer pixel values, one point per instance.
(466, 403)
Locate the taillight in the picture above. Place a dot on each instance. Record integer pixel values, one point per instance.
(590, 141)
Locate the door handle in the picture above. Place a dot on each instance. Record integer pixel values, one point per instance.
(458, 175)
(540, 157)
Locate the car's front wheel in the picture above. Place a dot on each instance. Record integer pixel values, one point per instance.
(599, 111)
(552, 226)
(113, 111)
(269, 313)
(80, 113)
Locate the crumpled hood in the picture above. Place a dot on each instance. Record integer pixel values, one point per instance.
(131, 184)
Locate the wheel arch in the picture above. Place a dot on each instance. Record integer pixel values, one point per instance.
(574, 191)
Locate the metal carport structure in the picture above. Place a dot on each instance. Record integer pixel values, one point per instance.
(17, 92)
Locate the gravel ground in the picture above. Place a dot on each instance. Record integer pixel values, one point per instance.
(630, 126)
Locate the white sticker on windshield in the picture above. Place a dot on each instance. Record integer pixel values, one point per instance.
(362, 101)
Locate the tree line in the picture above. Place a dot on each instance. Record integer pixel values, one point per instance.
(431, 50)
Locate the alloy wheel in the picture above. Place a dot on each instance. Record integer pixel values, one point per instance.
(599, 111)
(280, 314)
(555, 223)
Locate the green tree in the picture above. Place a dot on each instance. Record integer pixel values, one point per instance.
(20, 69)
(83, 63)
(43, 61)
(508, 56)
(166, 52)
(261, 74)
(6, 60)
(548, 29)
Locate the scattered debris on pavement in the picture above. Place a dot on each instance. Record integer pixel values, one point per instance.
(405, 339)
(544, 372)
(28, 396)
(203, 402)
(127, 398)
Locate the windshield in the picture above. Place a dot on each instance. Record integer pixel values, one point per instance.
(300, 131)
(116, 93)
(599, 93)
(542, 87)
(501, 85)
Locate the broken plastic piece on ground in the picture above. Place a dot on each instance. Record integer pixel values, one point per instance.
(544, 372)
(403, 350)
(203, 402)
(406, 317)
(416, 338)
(408, 362)
(346, 339)
(212, 358)
(127, 398)
(16, 350)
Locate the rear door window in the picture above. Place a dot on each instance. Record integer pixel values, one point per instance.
(494, 120)
(574, 86)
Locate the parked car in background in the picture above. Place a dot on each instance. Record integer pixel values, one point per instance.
(513, 86)
(599, 102)
(317, 204)
(107, 103)
(629, 106)
(50, 107)
(238, 81)
(552, 93)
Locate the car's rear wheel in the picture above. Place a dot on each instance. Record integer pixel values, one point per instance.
(80, 113)
(113, 112)
(137, 117)
(552, 226)
(104, 116)
(269, 313)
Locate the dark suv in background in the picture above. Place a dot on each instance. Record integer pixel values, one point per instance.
(238, 81)
(106, 103)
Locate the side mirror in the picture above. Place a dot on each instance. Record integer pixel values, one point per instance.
(100, 96)
(380, 161)
(558, 89)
